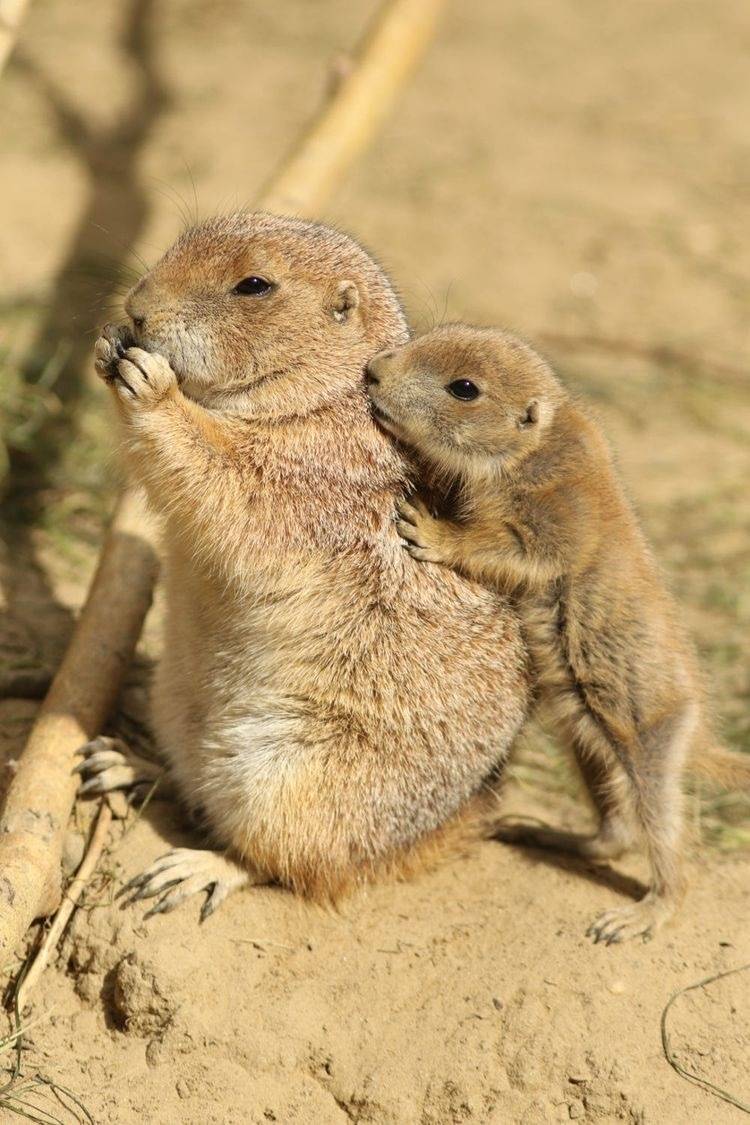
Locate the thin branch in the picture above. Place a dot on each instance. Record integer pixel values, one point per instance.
(669, 1054)
(70, 900)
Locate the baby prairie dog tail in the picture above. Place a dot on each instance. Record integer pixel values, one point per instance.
(542, 516)
(721, 767)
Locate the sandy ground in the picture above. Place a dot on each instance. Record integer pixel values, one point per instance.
(578, 175)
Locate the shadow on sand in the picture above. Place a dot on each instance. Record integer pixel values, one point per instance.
(113, 215)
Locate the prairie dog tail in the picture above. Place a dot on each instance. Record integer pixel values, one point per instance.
(727, 768)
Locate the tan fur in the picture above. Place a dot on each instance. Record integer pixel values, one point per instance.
(333, 707)
(542, 515)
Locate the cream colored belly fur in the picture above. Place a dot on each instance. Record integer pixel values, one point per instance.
(265, 701)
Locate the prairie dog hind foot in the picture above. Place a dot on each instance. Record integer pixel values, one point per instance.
(639, 919)
(184, 872)
(109, 764)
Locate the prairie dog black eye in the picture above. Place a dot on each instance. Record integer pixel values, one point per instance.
(463, 389)
(253, 287)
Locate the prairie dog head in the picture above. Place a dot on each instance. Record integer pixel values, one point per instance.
(265, 315)
(465, 398)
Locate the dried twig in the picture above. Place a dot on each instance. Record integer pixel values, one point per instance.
(70, 900)
(85, 688)
(669, 1053)
(360, 102)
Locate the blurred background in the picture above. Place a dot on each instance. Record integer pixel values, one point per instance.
(576, 171)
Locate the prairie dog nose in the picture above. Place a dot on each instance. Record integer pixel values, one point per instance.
(375, 365)
(135, 306)
(135, 311)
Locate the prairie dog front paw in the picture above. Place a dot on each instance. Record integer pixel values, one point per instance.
(109, 349)
(425, 537)
(139, 378)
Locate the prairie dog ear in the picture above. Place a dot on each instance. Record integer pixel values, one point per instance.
(530, 416)
(345, 301)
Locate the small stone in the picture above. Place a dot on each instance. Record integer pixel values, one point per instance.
(599, 1104)
(497, 1003)
(575, 1110)
(154, 1052)
(143, 1002)
(583, 284)
(88, 986)
(618, 987)
(182, 1086)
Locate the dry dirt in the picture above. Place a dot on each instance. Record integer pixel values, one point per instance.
(574, 171)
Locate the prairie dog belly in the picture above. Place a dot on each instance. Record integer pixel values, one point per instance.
(262, 695)
(220, 663)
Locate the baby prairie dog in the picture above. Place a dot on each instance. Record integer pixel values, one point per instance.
(542, 515)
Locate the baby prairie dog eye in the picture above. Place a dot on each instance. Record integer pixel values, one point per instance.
(253, 287)
(463, 389)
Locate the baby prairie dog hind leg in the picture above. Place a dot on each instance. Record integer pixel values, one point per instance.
(655, 775)
(634, 783)
(605, 783)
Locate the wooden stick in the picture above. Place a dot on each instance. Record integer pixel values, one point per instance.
(11, 14)
(72, 894)
(85, 688)
(82, 695)
(357, 108)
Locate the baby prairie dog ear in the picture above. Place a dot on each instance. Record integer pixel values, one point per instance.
(531, 415)
(345, 301)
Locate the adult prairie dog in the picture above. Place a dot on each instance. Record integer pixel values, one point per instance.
(311, 699)
(543, 515)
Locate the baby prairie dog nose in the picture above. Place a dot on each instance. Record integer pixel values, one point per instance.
(375, 369)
